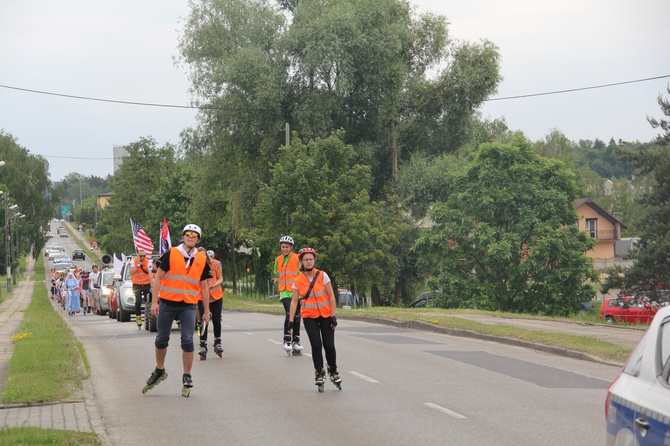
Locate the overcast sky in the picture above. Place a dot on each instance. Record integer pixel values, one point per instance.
(124, 49)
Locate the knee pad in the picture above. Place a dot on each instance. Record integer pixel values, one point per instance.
(296, 319)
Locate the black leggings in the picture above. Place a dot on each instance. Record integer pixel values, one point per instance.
(215, 309)
(296, 319)
(139, 291)
(321, 334)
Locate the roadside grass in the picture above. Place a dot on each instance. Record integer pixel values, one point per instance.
(45, 365)
(39, 274)
(450, 319)
(24, 436)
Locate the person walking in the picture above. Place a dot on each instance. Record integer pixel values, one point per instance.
(85, 280)
(313, 287)
(286, 269)
(180, 279)
(141, 277)
(215, 284)
(71, 286)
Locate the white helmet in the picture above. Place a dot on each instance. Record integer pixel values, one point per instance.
(210, 253)
(286, 239)
(194, 228)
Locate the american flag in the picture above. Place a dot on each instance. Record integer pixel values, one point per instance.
(166, 243)
(140, 238)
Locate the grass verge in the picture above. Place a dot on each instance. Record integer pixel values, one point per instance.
(45, 365)
(24, 436)
(450, 319)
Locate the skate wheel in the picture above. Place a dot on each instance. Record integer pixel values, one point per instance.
(203, 357)
(186, 392)
(339, 386)
(145, 390)
(321, 389)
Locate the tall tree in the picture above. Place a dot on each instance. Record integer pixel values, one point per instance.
(24, 180)
(321, 191)
(141, 174)
(506, 238)
(651, 270)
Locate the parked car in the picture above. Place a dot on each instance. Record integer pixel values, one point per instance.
(347, 298)
(636, 409)
(52, 252)
(123, 293)
(60, 266)
(64, 234)
(78, 254)
(103, 291)
(627, 309)
(424, 298)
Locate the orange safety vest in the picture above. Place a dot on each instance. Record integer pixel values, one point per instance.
(215, 292)
(288, 272)
(180, 284)
(140, 277)
(317, 303)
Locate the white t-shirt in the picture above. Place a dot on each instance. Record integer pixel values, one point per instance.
(323, 274)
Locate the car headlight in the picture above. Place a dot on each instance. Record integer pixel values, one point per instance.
(129, 296)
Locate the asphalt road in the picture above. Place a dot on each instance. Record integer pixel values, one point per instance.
(401, 386)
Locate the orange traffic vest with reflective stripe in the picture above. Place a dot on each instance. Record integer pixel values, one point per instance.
(180, 284)
(288, 272)
(215, 292)
(317, 303)
(140, 277)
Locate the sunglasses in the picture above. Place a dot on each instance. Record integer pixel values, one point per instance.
(191, 234)
(141, 257)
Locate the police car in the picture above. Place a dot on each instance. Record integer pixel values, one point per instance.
(638, 401)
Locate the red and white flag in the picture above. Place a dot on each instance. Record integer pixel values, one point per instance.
(141, 239)
(166, 243)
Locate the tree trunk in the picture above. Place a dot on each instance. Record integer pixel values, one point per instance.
(394, 154)
(233, 260)
(374, 294)
(399, 283)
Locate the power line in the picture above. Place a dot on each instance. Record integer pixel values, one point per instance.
(578, 89)
(150, 104)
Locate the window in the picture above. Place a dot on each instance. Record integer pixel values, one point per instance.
(591, 227)
(665, 345)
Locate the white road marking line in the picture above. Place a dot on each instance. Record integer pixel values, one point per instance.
(248, 333)
(363, 377)
(445, 411)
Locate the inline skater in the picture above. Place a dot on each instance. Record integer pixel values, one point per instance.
(180, 278)
(314, 288)
(215, 284)
(141, 277)
(286, 269)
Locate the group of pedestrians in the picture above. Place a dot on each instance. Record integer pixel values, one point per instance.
(72, 289)
(187, 285)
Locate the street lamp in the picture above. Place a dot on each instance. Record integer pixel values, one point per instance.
(7, 240)
(80, 196)
(17, 254)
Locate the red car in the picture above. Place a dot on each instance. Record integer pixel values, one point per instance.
(627, 309)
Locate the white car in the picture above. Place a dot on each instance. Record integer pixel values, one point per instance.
(637, 409)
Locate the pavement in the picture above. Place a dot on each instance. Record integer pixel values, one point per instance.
(83, 414)
(80, 414)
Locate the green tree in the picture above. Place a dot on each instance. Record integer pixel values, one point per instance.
(139, 177)
(321, 191)
(24, 180)
(651, 269)
(506, 238)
